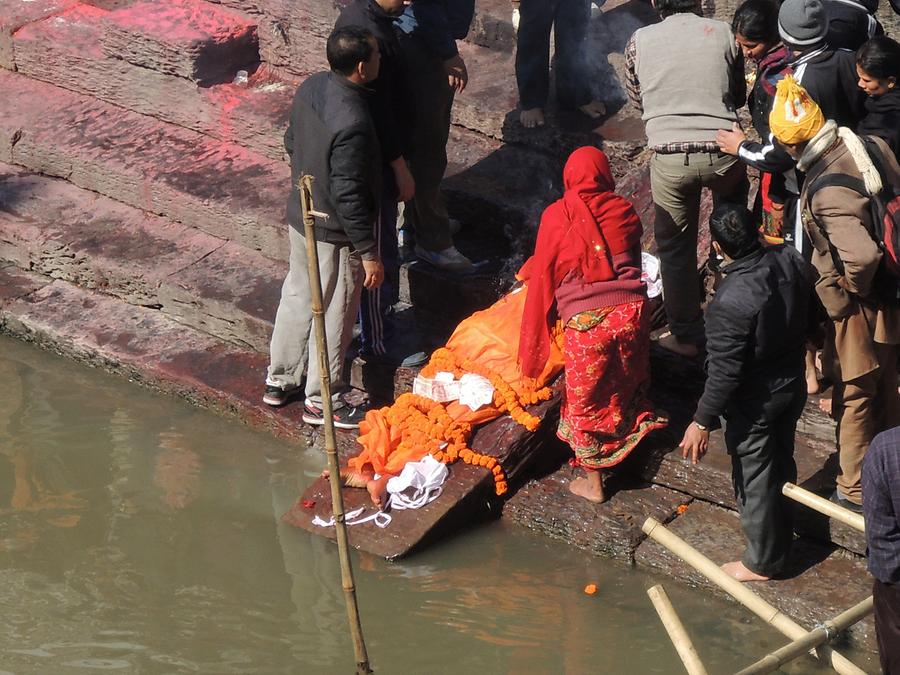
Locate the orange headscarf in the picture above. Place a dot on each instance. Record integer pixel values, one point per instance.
(579, 234)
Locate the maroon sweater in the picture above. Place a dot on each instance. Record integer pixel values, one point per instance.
(574, 296)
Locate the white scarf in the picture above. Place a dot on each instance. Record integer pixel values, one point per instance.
(825, 140)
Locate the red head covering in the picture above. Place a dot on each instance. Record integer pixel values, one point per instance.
(579, 234)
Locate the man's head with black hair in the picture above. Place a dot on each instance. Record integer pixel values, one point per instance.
(353, 52)
(734, 231)
(669, 7)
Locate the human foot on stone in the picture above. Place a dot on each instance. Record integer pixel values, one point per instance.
(531, 118)
(377, 488)
(593, 109)
(739, 571)
(669, 342)
(354, 479)
(825, 406)
(592, 490)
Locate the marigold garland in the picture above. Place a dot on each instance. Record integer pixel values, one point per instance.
(425, 423)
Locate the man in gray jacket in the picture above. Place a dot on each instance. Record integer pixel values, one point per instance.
(686, 76)
(332, 137)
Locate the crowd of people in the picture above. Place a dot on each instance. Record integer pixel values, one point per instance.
(808, 274)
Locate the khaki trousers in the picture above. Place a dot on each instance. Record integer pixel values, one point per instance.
(293, 340)
(676, 181)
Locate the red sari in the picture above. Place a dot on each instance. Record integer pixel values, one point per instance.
(605, 410)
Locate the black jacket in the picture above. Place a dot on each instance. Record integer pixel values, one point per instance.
(755, 329)
(332, 137)
(829, 75)
(851, 23)
(391, 104)
(883, 120)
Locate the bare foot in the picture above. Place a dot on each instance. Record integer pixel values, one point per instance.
(591, 488)
(378, 491)
(825, 406)
(352, 479)
(671, 343)
(739, 571)
(812, 377)
(594, 109)
(531, 118)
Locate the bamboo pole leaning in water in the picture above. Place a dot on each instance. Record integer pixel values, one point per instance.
(334, 477)
(819, 635)
(677, 634)
(736, 589)
(822, 505)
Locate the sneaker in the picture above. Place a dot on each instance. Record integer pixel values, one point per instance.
(839, 499)
(276, 396)
(449, 259)
(346, 417)
(389, 359)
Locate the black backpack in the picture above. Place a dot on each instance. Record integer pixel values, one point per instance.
(885, 226)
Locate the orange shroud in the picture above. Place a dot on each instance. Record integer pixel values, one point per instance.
(489, 338)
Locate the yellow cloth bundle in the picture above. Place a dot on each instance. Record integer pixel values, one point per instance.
(795, 117)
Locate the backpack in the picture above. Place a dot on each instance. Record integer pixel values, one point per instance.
(885, 221)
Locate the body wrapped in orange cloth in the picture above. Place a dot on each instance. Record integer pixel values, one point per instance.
(486, 344)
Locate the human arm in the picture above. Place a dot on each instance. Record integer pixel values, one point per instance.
(406, 184)
(737, 81)
(632, 85)
(352, 186)
(439, 24)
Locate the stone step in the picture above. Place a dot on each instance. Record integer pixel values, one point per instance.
(143, 345)
(54, 228)
(223, 189)
(197, 40)
(492, 25)
(65, 50)
(15, 15)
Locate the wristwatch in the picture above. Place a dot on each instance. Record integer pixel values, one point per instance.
(700, 426)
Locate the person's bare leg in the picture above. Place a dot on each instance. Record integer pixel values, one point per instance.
(594, 109)
(531, 118)
(354, 479)
(669, 342)
(377, 488)
(739, 571)
(591, 487)
(812, 377)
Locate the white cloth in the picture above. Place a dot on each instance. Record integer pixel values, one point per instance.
(650, 274)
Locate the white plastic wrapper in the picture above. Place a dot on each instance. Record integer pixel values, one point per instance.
(650, 274)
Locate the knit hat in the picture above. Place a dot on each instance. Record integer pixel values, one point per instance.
(802, 22)
(795, 117)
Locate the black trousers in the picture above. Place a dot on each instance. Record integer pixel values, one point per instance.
(759, 435)
(887, 625)
(569, 20)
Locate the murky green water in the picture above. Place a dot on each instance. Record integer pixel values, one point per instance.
(140, 535)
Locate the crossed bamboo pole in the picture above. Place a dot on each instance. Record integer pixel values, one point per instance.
(771, 615)
(337, 500)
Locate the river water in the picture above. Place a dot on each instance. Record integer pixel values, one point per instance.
(141, 535)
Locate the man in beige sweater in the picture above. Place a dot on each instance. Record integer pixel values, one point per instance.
(686, 76)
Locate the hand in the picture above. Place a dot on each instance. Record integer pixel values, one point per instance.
(457, 75)
(730, 141)
(406, 184)
(374, 273)
(695, 443)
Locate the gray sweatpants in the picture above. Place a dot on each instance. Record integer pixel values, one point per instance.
(293, 343)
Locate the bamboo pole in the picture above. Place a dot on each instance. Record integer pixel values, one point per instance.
(812, 639)
(822, 505)
(337, 501)
(677, 634)
(781, 622)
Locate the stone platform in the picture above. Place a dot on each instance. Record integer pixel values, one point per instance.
(142, 231)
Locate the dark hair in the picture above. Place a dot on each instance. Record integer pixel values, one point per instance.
(757, 20)
(347, 47)
(732, 226)
(880, 57)
(669, 7)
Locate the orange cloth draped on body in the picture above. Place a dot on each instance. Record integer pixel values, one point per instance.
(486, 344)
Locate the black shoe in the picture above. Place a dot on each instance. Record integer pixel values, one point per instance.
(346, 417)
(839, 499)
(276, 396)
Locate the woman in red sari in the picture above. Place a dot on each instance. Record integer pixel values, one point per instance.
(586, 272)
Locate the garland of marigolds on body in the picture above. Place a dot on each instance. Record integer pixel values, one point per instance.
(424, 423)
